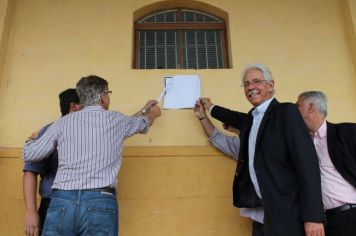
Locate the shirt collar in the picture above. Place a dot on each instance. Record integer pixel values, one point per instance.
(261, 109)
(321, 132)
(93, 108)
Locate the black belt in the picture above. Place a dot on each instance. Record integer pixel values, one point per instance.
(104, 190)
(335, 210)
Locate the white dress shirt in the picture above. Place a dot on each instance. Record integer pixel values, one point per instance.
(230, 145)
(257, 114)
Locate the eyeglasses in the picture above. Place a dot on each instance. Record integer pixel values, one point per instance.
(254, 82)
(108, 92)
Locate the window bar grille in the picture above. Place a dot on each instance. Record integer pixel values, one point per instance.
(145, 50)
(196, 49)
(165, 50)
(216, 51)
(176, 48)
(186, 49)
(206, 50)
(222, 35)
(155, 47)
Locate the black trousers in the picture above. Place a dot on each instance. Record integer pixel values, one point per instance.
(342, 223)
(257, 229)
(297, 229)
(42, 212)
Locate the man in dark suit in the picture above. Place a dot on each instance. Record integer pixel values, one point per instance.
(277, 166)
(336, 148)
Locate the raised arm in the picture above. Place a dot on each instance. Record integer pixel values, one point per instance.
(151, 110)
(232, 118)
(230, 145)
(42, 147)
(205, 122)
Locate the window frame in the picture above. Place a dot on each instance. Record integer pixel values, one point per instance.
(180, 26)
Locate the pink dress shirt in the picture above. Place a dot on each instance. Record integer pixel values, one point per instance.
(336, 190)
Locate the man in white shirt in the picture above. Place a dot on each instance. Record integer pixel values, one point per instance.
(277, 165)
(230, 145)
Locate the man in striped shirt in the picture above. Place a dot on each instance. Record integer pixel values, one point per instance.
(89, 144)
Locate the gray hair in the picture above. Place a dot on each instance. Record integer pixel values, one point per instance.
(318, 98)
(267, 75)
(89, 90)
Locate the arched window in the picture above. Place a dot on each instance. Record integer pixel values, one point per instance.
(180, 39)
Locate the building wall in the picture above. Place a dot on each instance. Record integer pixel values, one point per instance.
(47, 46)
(52, 44)
(6, 13)
(349, 13)
(162, 191)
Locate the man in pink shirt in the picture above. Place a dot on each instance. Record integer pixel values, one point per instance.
(336, 148)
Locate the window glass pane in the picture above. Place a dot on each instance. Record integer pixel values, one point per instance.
(190, 57)
(150, 19)
(210, 19)
(142, 38)
(150, 58)
(210, 37)
(200, 36)
(161, 57)
(188, 16)
(160, 18)
(220, 57)
(212, 60)
(202, 57)
(160, 38)
(189, 37)
(142, 59)
(155, 52)
(171, 37)
(203, 49)
(150, 38)
(172, 57)
(198, 17)
(171, 16)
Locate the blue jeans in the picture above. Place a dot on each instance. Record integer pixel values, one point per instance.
(81, 212)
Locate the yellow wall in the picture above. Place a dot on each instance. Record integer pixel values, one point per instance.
(6, 13)
(349, 12)
(162, 191)
(53, 44)
(46, 46)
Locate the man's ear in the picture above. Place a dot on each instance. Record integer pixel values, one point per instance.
(102, 102)
(271, 83)
(311, 107)
(74, 107)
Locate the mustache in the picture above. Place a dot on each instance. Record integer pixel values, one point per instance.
(252, 92)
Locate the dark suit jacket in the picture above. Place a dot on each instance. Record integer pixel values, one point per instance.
(341, 140)
(286, 166)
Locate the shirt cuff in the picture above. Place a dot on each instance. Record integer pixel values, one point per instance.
(211, 108)
(147, 125)
(215, 133)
